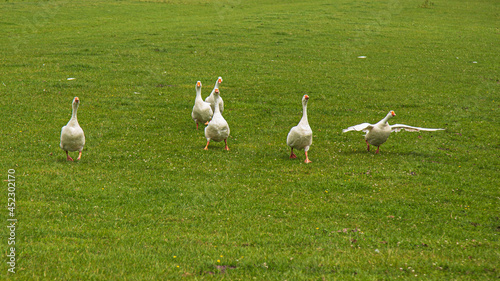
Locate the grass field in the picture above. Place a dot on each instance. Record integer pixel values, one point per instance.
(146, 202)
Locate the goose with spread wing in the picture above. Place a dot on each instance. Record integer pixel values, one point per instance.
(377, 134)
(72, 137)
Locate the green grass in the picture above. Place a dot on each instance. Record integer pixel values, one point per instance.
(147, 202)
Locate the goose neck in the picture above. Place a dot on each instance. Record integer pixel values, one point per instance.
(198, 93)
(304, 114)
(75, 109)
(216, 106)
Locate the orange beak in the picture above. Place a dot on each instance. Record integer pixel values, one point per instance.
(77, 99)
(306, 97)
(217, 91)
(220, 80)
(393, 114)
(198, 84)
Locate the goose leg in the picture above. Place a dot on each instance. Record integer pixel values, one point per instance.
(307, 159)
(368, 146)
(206, 123)
(196, 125)
(378, 147)
(292, 155)
(206, 147)
(79, 156)
(226, 148)
(67, 157)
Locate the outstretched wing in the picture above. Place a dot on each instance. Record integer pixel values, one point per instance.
(399, 127)
(365, 127)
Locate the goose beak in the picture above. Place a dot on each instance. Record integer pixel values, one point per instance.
(306, 97)
(77, 99)
(220, 80)
(393, 114)
(198, 84)
(217, 91)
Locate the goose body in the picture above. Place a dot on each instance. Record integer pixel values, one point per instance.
(72, 136)
(377, 134)
(211, 98)
(217, 129)
(300, 136)
(202, 112)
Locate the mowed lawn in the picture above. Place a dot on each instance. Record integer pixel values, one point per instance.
(146, 202)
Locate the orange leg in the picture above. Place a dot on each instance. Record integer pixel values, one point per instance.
(196, 125)
(226, 148)
(307, 159)
(378, 147)
(368, 146)
(206, 147)
(79, 156)
(67, 157)
(292, 155)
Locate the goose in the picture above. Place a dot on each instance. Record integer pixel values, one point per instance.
(377, 134)
(72, 137)
(202, 112)
(217, 129)
(300, 136)
(211, 99)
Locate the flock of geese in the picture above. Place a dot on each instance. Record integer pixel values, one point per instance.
(209, 113)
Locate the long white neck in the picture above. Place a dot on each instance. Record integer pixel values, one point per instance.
(216, 101)
(304, 114)
(198, 93)
(386, 118)
(73, 114)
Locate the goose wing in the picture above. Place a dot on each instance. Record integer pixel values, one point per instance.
(399, 127)
(365, 127)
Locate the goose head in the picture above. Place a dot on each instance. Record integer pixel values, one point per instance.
(219, 80)
(76, 102)
(305, 98)
(388, 116)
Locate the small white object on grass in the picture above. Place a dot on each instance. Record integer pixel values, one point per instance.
(71, 78)
(362, 57)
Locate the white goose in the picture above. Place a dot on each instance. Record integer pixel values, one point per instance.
(300, 136)
(202, 112)
(217, 129)
(378, 133)
(72, 137)
(211, 99)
